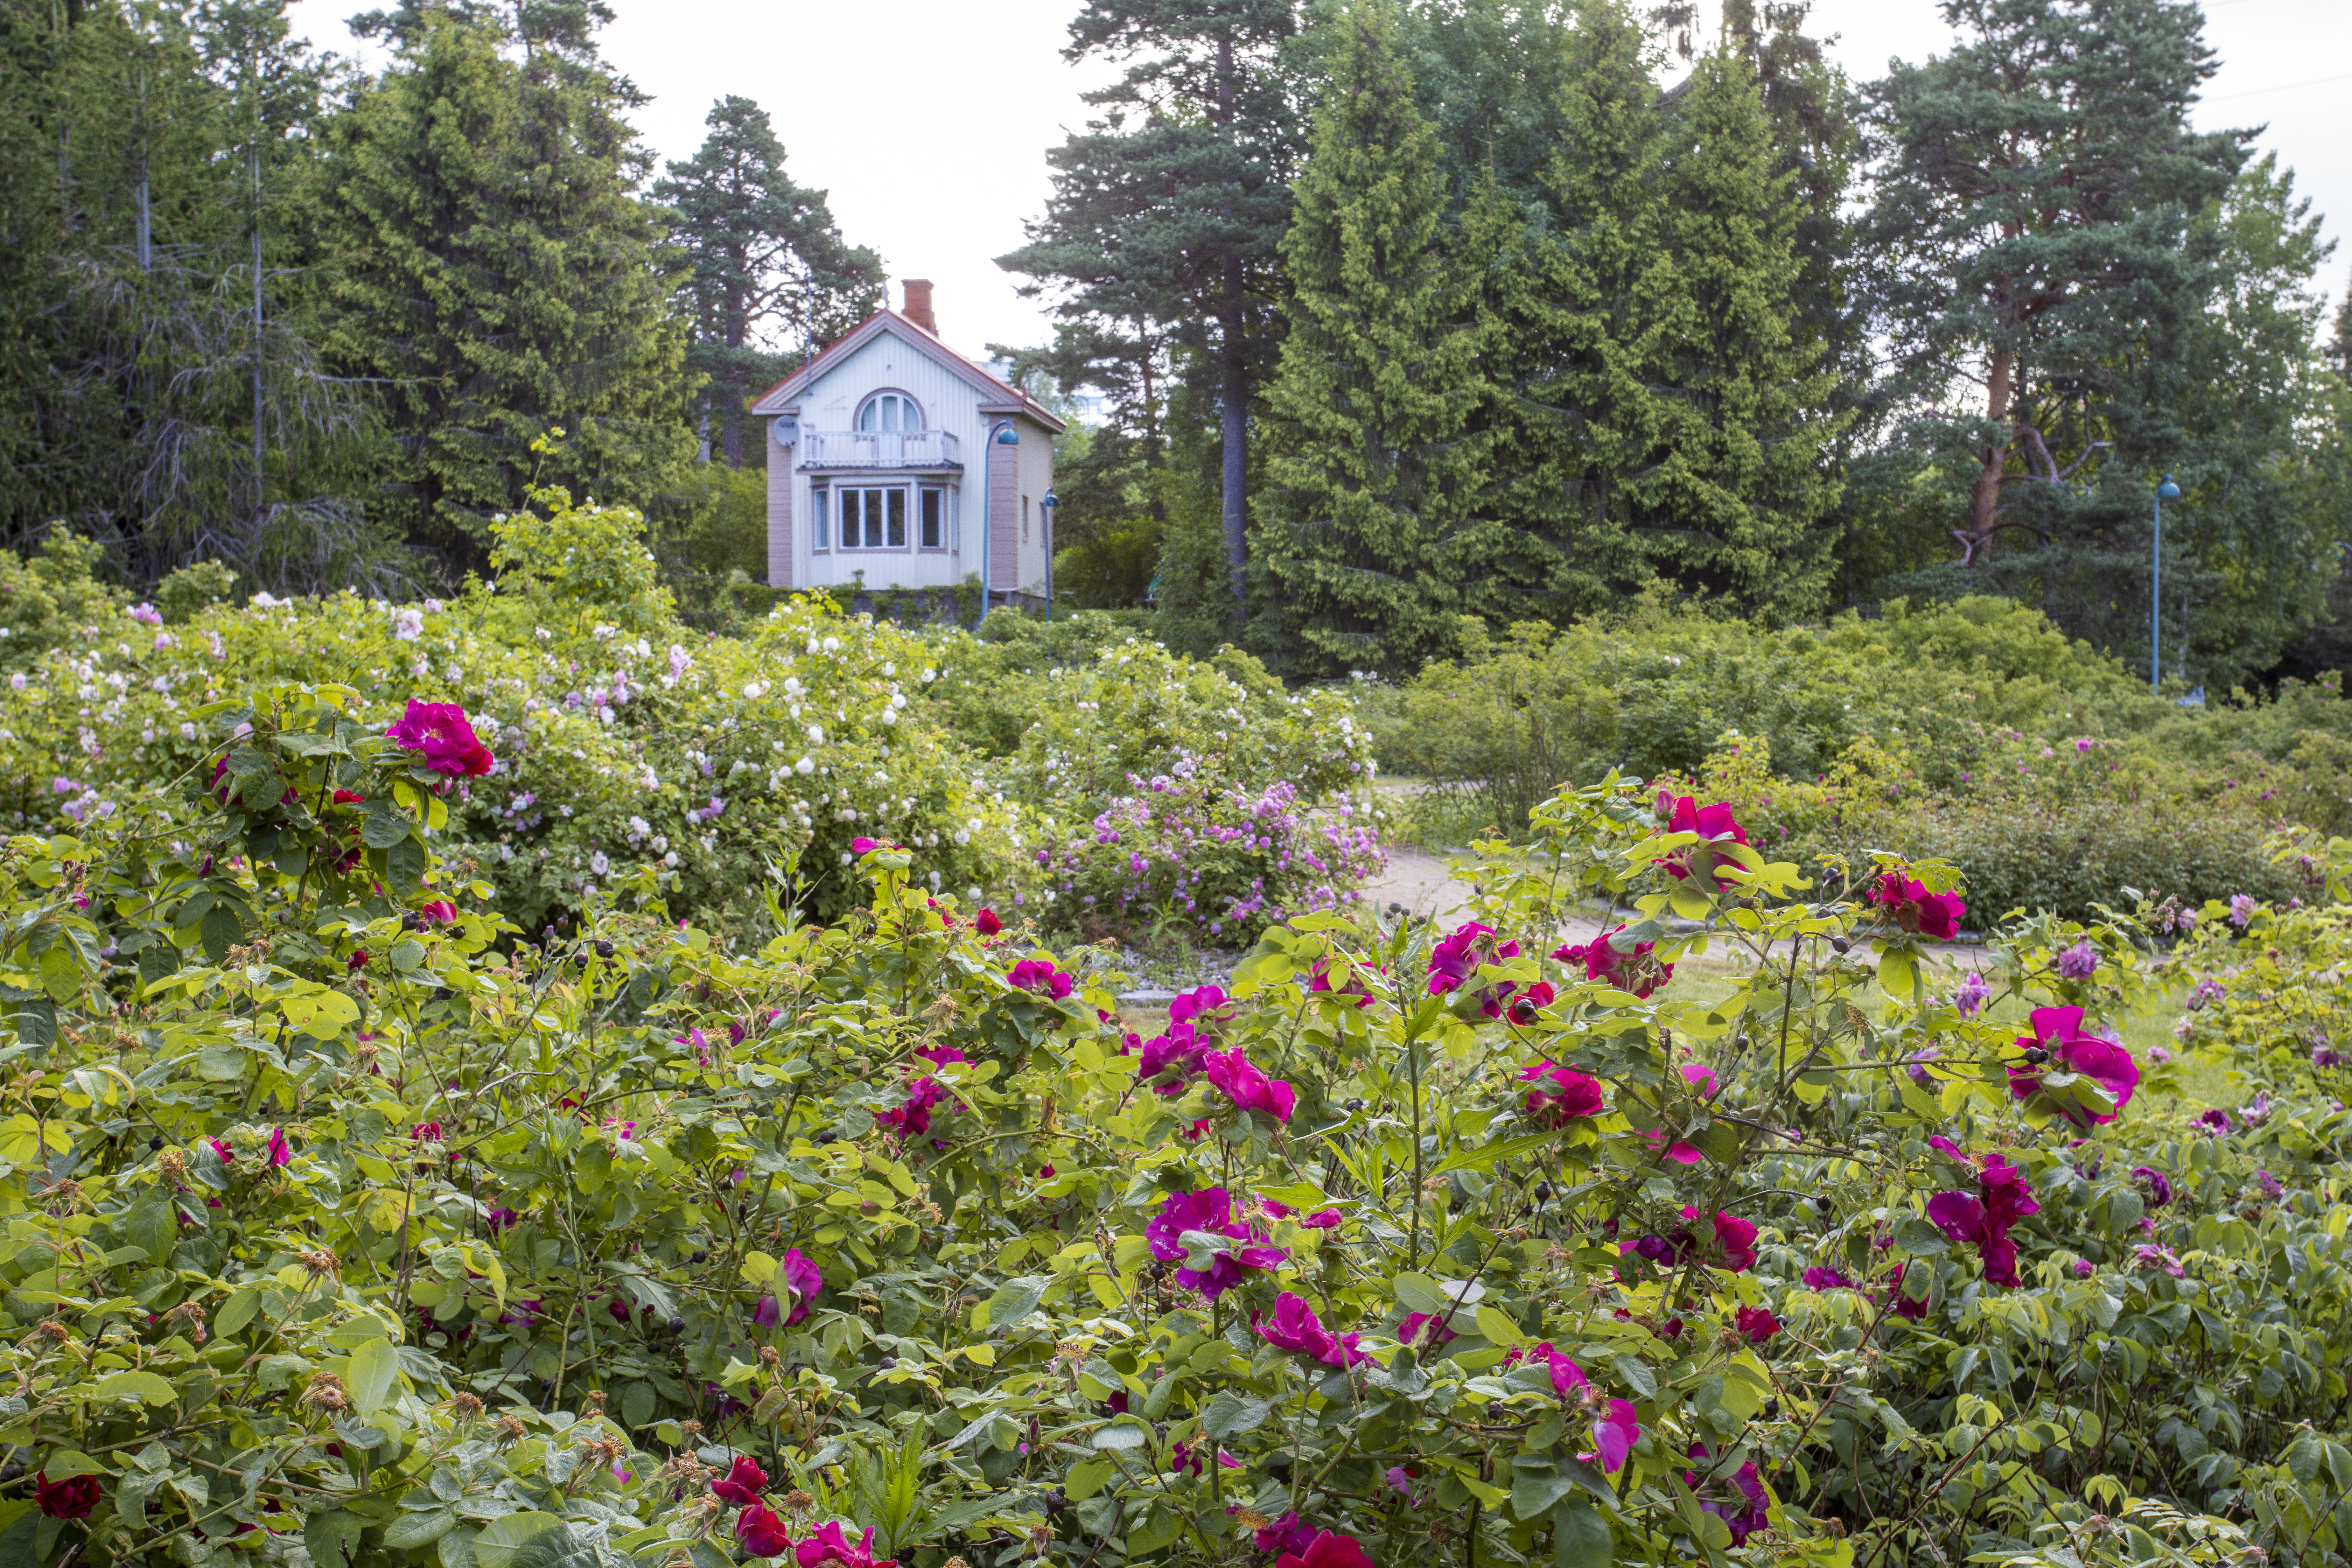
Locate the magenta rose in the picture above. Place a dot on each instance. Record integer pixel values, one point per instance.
(2059, 1032)
(445, 740)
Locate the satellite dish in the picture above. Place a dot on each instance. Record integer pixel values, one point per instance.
(786, 429)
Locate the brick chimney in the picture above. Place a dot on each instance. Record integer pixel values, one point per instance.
(918, 305)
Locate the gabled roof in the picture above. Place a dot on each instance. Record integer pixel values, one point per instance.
(996, 396)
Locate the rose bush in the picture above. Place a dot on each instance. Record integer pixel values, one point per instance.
(335, 1212)
(640, 759)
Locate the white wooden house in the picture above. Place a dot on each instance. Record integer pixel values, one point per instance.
(889, 455)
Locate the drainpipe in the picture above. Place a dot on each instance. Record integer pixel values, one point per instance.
(1003, 434)
(1046, 513)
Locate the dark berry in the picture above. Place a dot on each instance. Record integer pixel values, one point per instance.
(155, 1142)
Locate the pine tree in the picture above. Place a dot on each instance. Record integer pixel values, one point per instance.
(1369, 533)
(2034, 219)
(1167, 212)
(767, 268)
(498, 279)
(1736, 499)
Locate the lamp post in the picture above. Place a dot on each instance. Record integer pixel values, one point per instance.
(1045, 511)
(2165, 492)
(1001, 434)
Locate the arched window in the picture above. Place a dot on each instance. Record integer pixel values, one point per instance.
(890, 411)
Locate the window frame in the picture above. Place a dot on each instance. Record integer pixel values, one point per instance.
(872, 401)
(876, 518)
(820, 536)
(923, 524)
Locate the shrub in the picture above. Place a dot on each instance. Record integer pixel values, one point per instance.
(637, 759)
(55, 599)
(642, 760)
(344, 1216)
(1192, 853)
(2033, 827)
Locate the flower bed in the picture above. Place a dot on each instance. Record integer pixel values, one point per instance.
(371, 1226)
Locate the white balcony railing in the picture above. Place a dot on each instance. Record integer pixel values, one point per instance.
(881, 449)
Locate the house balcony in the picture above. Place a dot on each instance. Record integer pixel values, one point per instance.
(825, 451)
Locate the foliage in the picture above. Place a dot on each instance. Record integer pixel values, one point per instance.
(1192, 854)
(634, 755)
(2037, 220)
(50, 596)
(641, 759)
(1952, 730)
(501, 278)
(1369, 525)
(1111, 568)
(768, 269)
(163, 390)
(2031, 827)
(1184, 181)
(332, 1211)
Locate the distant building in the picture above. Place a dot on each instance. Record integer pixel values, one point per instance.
(878, 456)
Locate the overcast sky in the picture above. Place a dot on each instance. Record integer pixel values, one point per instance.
(927, 121)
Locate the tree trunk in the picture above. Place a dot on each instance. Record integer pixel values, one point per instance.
(1236, 382)
(1984, 504)
(1236, 440)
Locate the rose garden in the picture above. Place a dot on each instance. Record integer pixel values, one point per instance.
(507, 1084)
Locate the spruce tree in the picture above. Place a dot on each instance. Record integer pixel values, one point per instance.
(497, 278)
(1736, 499)
(767, 270)
(1578, 295)
(1370, 537)
(160, 388)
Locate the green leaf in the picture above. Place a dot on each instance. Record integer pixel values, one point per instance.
(412, 1530)
(144, 1385)
(151, 1227)
(1423, 1294)
(36, 1020)
(1920, 1237)
(383, 829)
(1086, 1479)
(1122, 1434)
(502, 1539)
(64, 1464)
(20, 1523)
(1229, 1415)
(1533, 1493)
(333, 1538)
(220, 932)
(1635, 1374)
(557, 1548)
(404, 864)
(236, 1311)
(373, 1367)
(1014, 1300)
